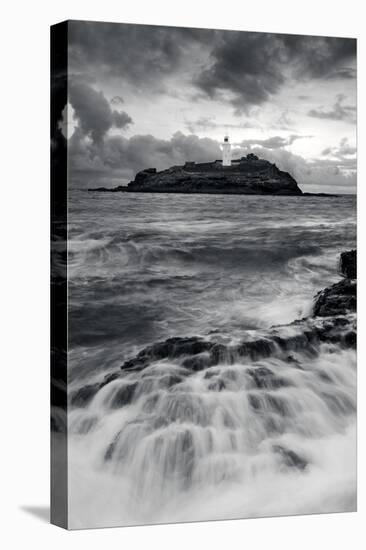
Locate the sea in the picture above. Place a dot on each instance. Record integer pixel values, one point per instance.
(143, 268)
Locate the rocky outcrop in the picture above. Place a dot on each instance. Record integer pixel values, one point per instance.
(329, 323)
(348, 264)
(332, 321)
(304, 335)
(340, 298)
(246, 176)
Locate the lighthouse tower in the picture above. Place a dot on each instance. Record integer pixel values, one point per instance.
(226, 152)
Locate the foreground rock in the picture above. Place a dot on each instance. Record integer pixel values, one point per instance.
(340, 298)
(301, 336)
(246, 176)
(348, 264)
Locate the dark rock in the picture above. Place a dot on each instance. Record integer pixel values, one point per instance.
(309, 334)
(246, 176)
(263, 377)
(290, 458)
(325, 376)
(123, 396)
(293, 361)
(170, 380)
(256, 349)
(268, 403)
(110, 378)
(348, 264)
(108, 455)
(197, 362)
(338, 299)
(217, 385)
(171, 348)
(83, 396)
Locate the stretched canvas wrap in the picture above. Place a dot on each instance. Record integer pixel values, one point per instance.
(203, 274)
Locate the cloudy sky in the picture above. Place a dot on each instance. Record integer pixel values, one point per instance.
(147, 96)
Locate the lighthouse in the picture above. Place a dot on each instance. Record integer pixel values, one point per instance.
(226, 152)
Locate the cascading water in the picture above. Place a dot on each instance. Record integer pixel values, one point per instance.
(191, 433)
(166, 437)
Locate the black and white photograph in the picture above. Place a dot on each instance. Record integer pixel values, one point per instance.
(203, 274)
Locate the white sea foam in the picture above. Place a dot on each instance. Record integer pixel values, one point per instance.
(189, 453)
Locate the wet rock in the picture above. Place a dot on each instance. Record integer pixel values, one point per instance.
(325, 377)
(256, 349)
(290, 458)
(110, 378)
(197, 362)
(293, 361)
(108, 455)
(217, 385)
(263, 377)
(123, 396)
(170, 380)
(171, 348)
(151, 403)
(348, 264)
(220, 354)
(83, 396)
(266, 402)
(338, 299)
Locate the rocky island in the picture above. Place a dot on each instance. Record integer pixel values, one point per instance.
(248, 175)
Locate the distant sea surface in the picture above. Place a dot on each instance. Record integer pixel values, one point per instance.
(146, 267)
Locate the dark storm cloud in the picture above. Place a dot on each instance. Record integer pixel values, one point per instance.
(318, 56)
(339, 111)
(245, 64)
(254, 66)
(140, 54)
(93, 112)
(250, 67)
